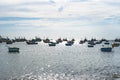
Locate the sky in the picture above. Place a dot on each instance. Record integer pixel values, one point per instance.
(60, 18)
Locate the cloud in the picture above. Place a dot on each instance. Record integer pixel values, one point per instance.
(53, 8)
(7, 25)
(17, 18)
(60, 17)
(52, 1)
(60, 9)
(113, 20)
(78, 0)
(60, 12)
(6, 2)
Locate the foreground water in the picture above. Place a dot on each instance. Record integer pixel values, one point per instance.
(41, 62)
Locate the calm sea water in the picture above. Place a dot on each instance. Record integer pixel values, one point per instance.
(41, 62)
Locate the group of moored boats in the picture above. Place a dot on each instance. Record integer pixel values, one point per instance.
(107, 46)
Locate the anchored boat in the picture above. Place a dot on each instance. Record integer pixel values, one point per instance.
(115, 44)
(107, 43)
(52, 44)
(90, 45)
(31, 42)
(9, 42)
(69, 43)
(106, 49)
(13, 49)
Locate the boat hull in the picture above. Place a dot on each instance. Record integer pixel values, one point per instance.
(115, 45)
(13, 49)
(90, 45)
(106, 49)
(52, 44)
(31, 43)
(68, 44)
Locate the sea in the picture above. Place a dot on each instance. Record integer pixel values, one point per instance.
(60, 62)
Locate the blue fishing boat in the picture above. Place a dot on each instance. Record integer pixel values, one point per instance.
(69, 43)
(52, 44)
(13, 49)
(106, 49)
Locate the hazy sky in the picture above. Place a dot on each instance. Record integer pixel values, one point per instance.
(60, 18)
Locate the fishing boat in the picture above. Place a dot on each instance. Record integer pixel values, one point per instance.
(59, 40)
(107, 43)
(46, 40)
(65, 39)
(52, 44)
(90, 45)
(81, 42)
(0, 41)
(85, 40)
(106, 49)
(31, 42)
(13, 49)
(73, 40)
(91, 42)
(98, 42)
(116, 44)
(117, 40)
(69, 43)
(38, 39)
(9, 42)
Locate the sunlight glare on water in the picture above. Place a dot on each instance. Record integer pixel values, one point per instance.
(41, 62)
